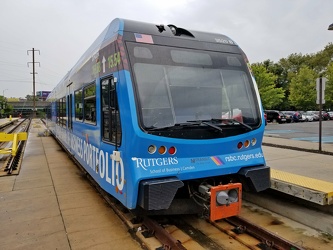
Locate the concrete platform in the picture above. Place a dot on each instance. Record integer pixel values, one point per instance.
(5, 121)
(50, 205)
(305, 173)
(313, 167)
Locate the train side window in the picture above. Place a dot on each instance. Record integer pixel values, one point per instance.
(58, 105)
(63, 117)
(78, 105)
(61, 112)
(90, 104)
(49, 112)
(111, 129)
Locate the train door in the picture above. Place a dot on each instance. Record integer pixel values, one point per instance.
(111, 129)
(69, 107)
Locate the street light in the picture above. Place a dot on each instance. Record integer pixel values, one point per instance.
(330, 27)
(3, 92)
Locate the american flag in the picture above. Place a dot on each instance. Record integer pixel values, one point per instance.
(142, 38)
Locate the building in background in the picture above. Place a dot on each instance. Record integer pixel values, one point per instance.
(42, 95)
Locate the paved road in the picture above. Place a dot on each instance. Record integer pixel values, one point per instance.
(304, 131)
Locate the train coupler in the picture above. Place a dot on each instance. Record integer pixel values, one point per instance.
(225, 200)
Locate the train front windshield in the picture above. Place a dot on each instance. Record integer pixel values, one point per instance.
(177, 86)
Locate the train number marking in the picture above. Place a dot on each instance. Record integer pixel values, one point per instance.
(114, 60)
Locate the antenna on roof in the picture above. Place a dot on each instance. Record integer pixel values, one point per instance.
(160, 28)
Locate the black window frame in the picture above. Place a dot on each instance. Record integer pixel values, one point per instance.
(89, 111)
(78, 100)
(111, 131)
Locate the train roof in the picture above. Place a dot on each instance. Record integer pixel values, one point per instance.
(127, 28)
(162, 34)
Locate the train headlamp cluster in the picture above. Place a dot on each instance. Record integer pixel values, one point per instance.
(247, 143)
(162, 150)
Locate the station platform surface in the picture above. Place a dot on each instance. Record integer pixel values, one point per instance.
(6, 121)
(305, 173)
(50, 204)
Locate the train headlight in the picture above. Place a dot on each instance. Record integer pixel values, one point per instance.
(227, 196)
(151, 149)
(246, 143)
(239, 145)
(254, 141)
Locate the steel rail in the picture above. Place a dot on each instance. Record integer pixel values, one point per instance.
(167, 240)
(268, 238)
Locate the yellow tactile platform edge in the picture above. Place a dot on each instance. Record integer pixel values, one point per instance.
(303, 181)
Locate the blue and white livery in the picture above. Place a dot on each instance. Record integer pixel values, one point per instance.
(166, 120)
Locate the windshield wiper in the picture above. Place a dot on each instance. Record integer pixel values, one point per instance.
(175, 126)
(212, 126)
(186, 124)
(235, 122)
(222, 120)
(241, 123)
(208, 123)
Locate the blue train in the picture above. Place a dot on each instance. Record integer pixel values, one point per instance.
(166, 120)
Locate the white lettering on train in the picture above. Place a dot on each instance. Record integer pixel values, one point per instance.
(152, 162)
(98, 161)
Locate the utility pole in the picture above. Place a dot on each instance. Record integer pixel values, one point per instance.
(33, 79)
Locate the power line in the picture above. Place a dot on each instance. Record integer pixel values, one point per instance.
(18, 80)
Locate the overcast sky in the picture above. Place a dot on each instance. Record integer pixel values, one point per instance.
(63, 29)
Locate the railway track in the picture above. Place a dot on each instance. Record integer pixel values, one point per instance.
(7, 127)
(191, 232)
(11, 163)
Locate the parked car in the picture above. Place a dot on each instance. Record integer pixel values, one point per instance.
(309, 117)
(275, 116)
(297, 117)
(330, 113)
(325, 115)
(315, 116)
(289, 116)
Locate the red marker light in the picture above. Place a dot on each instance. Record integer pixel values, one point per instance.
(172, 150)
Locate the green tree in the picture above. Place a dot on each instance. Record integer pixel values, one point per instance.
(281, 81)
(271, 96)
(321, 59)
(303, 89)
(5, 108)
(287, 69)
